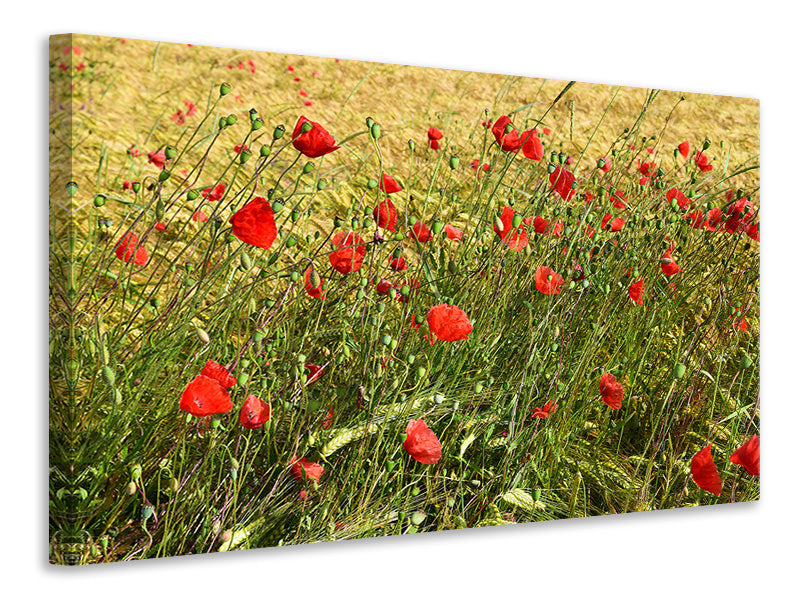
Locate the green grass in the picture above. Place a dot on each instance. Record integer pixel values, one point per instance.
(132, 477)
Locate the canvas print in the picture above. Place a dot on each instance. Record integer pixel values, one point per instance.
(299, 299)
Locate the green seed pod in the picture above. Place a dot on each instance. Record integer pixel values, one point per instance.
(421, 371)
(159, 209)
(314, 278)
(399, 237)
(130, 489)
(99, 200)
(375, 131)
(278, 132)
(380, 307)
(437, 227)
(224, 89)
(258, 335)
(231, 120)
(244, 156)
(256, 124)
(322, 184)
(277, 206)
(411, 358)
(452, 268)
(745, 362)
(551, 168)
(516, 221)
(136, 187)
(294, 276)
(360, 295)
(291, 241)
(163, 176)
(411, 145)
(295, 215)
(191, 195)
(386, 339)
(417, 517)
(222, 123)
(393, 344)
(245, 261)
(554, 347)
(679, 371)
(478, 387)
(392, 294)
(370, 122)
(170, 152)
(371, 184)
(107, 373)
(72, 188)
(454, 162)
(242, 378)
(405, 290)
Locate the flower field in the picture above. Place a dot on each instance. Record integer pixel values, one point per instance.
(300, 299)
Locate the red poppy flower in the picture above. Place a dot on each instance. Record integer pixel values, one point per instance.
(678, 195)
(303, 93)
(547, 130)
(241, 66)
(191, 109)
(683, 148)
(219, 373)
(636, 291)
(605, 166)
(421, 443)
(385, 215)
(179, 118)
(668, 264)
(531, 145)
(618, 199)
(420, 231)
(697, 218)
(590, 230)
(704, 472)
(434, 135)
(200, 216)
(648, 169)
(315, 142)
(383, 287)
(508, 141)
(701, 160)
(254, 412)
(449, 323)
(611, 391)
(314, 373)
(254, 223)
(252, 65)
(610, 224)
(713, 219)
(239, 147)
(205, 396)
(215, 194)
(740, 322)
(127, 250)
(545, 411)
(398, 264)
(749, 456)
(389, 185)
(754, 232)
(548, 281)
(157, 158)
(161, 226)
(308, 102)
(541, 225)
(303, 469)
(453, 233)
(328, 420)
(562, 181)
(349, 254)
(740, 214)
(314, 292)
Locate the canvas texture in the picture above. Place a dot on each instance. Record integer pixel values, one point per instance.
(297, 299)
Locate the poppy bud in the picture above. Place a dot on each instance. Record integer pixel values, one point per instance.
(191, 195)
(72, 188)
(163, 176)
(131, 487)
(437, 227)
(453, 162)
(375, 131)
(99, 200)
(516, 221)
(306, 127)
(421, 371)
(159, 210)
(202, 336)
(498, 223)
(170, 152)
(278, 132)
(679, 371)
(478, 387)
(371, 184)
(745, 362)
(147, 512)
(136, 472)
(308, 168)
(417, 517)
(562, 157)
(242, 379)
(411, 145)
(399, 237)
(551, 168)
(706, 144)
(245, 261)
(231, 120)
(222, 123)
(295, 215)
(224, 89)
(277, 206)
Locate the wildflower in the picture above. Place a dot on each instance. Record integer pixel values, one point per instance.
(254, 412)
(199, 216)
(303, 93)
(214, 195)
(239, 147)
(531, 145)
(191, 109)
(545, 411)
(421, 443)
(157, 158)
(697, 218)
(252, 65)
(562, 181)
(420, 231)
(413, 286)
(328, 420)
(548, 282)
(315, 142)
(611, 391)
(179, 117)
(713, 219)
(160, 226)
(254, 223)
(610, 224)
(205, 396)
(385, 215)
(516, 240)
(449, 323)
(679, 196)
(314, 373)
(219, 373)
(647, 168)
(453, 233)
(636, 291)
(434, 135)
(668, 264)
(349, 254)
(704, 472)
(389, 185)
(508, 141)
(701, 160)
(683, 148)
(604, 164)
(127, 250)
(383, 287)
(303, 469)
(749, 456)
(398, 264)
(314, 292)
(618, 199)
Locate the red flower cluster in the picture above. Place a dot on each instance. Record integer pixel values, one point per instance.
(545, 411)
(303, 469)
(515, 238)
(349, 254)
(706, 475)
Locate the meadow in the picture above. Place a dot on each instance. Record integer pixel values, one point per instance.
(299, 299)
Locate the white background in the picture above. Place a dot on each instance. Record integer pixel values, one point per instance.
(732, 48)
